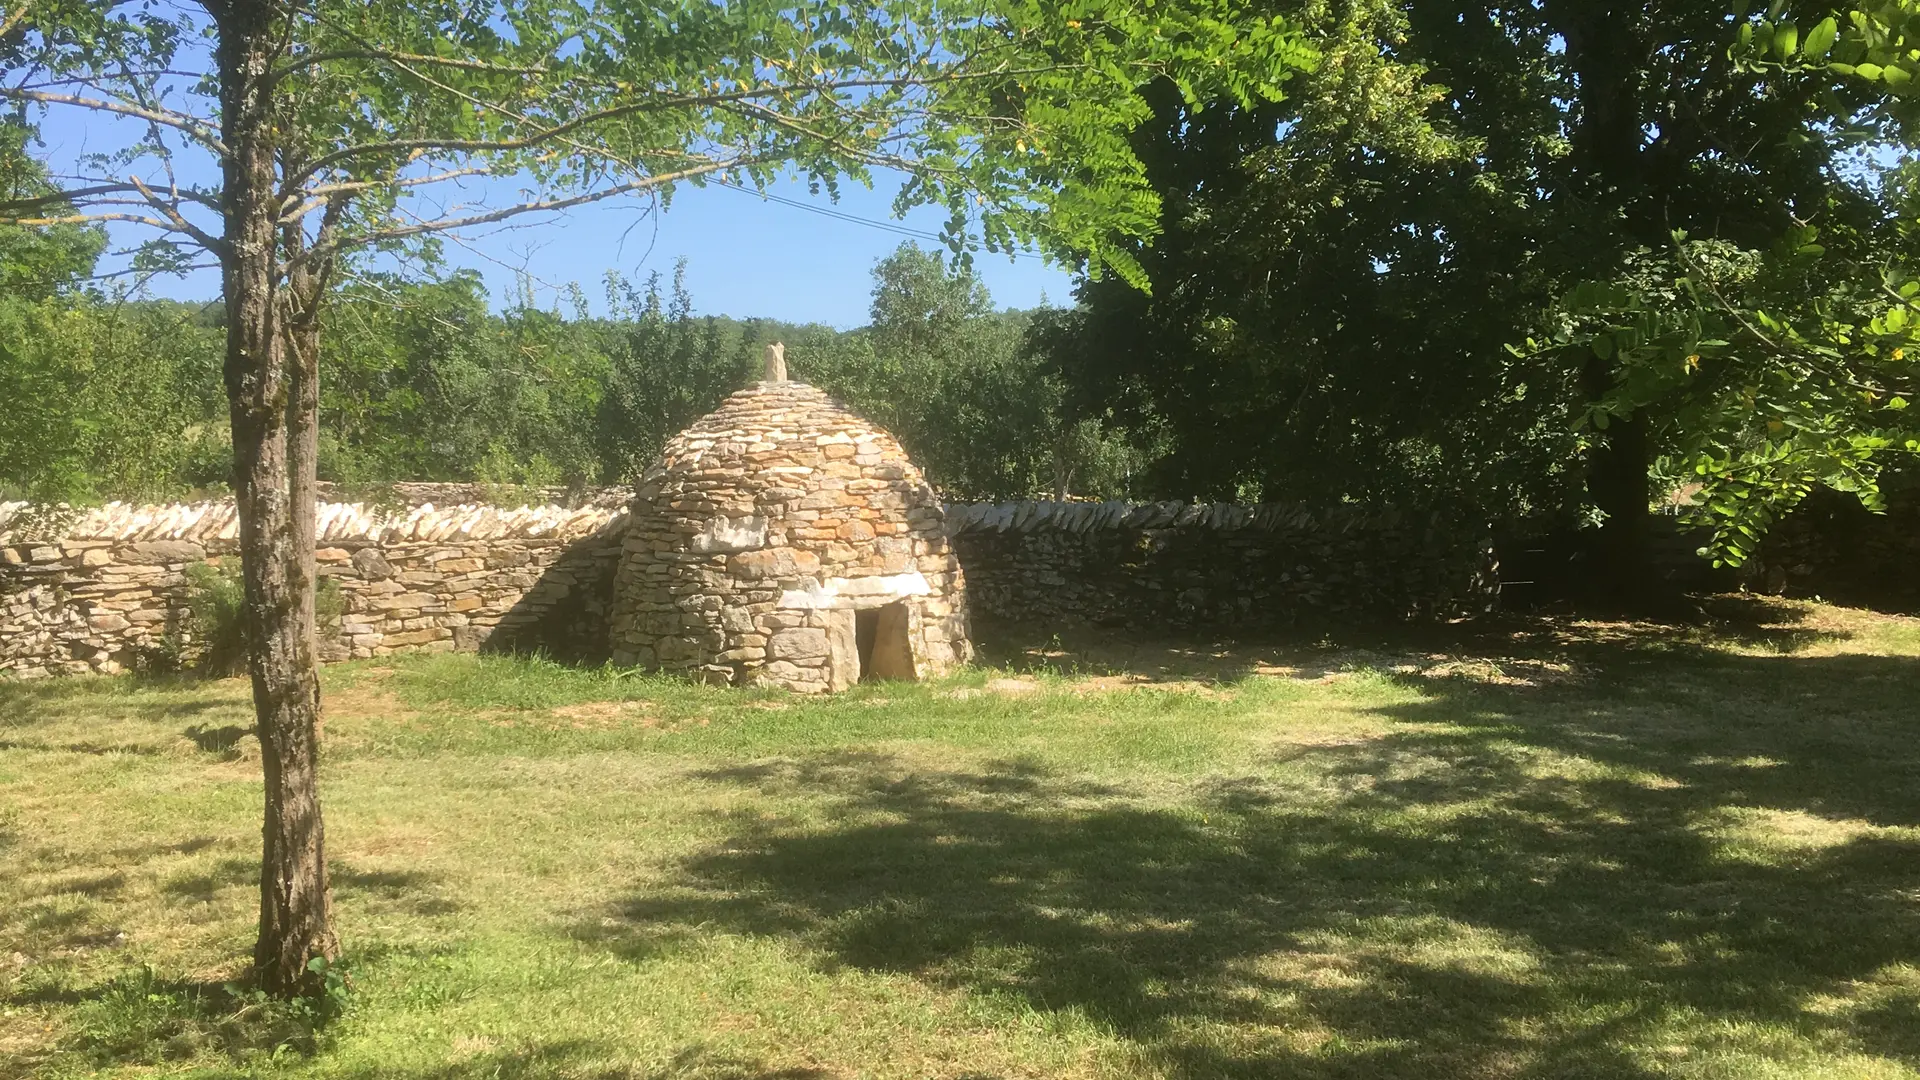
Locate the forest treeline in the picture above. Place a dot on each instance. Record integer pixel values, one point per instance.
(423, 380)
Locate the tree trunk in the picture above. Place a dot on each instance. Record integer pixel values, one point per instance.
(1618, 479)
(306, 290)
(1608, 156)
(295, 916)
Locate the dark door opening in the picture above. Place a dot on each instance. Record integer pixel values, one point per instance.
(880, 639)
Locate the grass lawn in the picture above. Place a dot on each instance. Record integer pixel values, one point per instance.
(1545, 849)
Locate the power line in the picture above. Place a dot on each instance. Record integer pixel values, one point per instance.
(854, 219)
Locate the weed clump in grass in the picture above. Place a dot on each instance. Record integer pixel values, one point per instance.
(143, 1018)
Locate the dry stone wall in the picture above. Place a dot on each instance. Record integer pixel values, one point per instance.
(1217, 566)
(1831, 546)
(109, 590)
(100, 591)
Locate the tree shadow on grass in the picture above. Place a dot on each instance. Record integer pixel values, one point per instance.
(1598, 882)
(223, 740)
(119, 715)
(578, 1059)
(583, 1060)
(1315, 652)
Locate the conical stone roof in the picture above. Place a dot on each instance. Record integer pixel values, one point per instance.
(768, 426)
(761, 531)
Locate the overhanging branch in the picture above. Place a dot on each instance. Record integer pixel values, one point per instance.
(401, 232)
(201, 133)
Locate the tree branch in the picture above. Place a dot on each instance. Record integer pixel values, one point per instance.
(179, 121)
(315, 59)
(635, 108)
(539, 206)
(206, 239)
(315, 198)
(90, 219)
(17, 206)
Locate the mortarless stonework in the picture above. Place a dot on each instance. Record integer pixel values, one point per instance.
(105, 589)
(782, 540)
(1218, 566)
(100, 590)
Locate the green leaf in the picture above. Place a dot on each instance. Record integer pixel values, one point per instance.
(1786, 39)
(1820, 38)
(1869, 72)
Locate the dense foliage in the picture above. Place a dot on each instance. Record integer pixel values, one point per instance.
(423, 380)
(1554, 261)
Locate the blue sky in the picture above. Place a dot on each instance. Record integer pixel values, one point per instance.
(745, 256)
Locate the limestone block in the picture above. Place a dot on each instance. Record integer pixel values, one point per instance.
(670, 650)
(787, 672)
(372, 565)
(403, 600)
(508, 557)
(843, 651)
(158, 552)
(754, 564)
(726, 535)
(797, 644)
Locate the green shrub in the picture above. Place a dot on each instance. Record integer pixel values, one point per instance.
(216, 636)
(214, 639)
(329, 603)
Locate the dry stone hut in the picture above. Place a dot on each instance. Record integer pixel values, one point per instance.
(783, 540)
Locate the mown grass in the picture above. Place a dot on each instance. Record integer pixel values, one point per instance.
(1542, 849)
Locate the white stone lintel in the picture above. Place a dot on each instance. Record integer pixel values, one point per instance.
(856, 592)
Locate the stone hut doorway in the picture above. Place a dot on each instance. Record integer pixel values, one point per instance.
(882, 644)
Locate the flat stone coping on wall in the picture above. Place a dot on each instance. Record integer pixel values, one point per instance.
(1077, 517)
(339, 522)
(217, 521)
